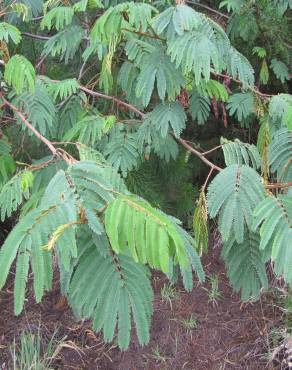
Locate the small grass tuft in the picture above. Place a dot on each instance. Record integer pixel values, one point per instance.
(32, 353)
(168, 293)
(213, 292)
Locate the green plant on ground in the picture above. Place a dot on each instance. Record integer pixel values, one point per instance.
(213, 292)
(157, 355)
(168, 293)
(190, 324)
(32, 353)
(90, 92)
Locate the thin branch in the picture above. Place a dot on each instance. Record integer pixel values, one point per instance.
(155, 36)
(29, 126)
(198, 154)
(278, 185)
(207, 179)
(113, 98)
(256, 91)
(37, 37)
(41, 61)
(4, 11)
(208, 8)
(212, 150)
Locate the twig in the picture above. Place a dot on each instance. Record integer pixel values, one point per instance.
(278, 185)
(208, 8)
(37, 37)
(155, 36)
(41, 61)
(198, 154)
(113, 98)
(207, 179)
(3, 11)
(256, 91)
(212, 150)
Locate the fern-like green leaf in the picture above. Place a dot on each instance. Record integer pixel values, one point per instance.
(237, 152)
(240, 105)
(233, 194)
(63, 89)
(245, 266)
(169, 116)
(199, 107)
(63, 44)
(59, 17)
(280, 154)
(87, 131)
(13, 193)
(280, 69)
(112, 290)
(8, 31)
(20, 74)
(38, 107)
(157, 66)
(273, 218)
(121, 151)
(145, 233)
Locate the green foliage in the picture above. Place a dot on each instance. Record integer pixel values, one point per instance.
(8, 31)
(14, 192)
(59, 18)
(240, 153)
(157, 67)
(280, 154)
(199, 107)
(245, 265)
(39, 108)
(169, 117)
(122, 151)
(87, 131)
(280, 69)
(62, 89)
(273, 217)
(146, 233)
(63, 44)
(119, 290)
(20, 74)
(233, 195)
(240, 105)
(104, 137)
(214, 89)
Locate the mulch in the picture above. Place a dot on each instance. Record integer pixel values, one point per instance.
(228, 334)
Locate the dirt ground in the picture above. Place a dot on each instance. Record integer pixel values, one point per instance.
(223, 335)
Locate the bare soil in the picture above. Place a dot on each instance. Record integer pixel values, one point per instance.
(228, 334)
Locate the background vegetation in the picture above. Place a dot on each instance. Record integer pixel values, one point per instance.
(127, 129)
